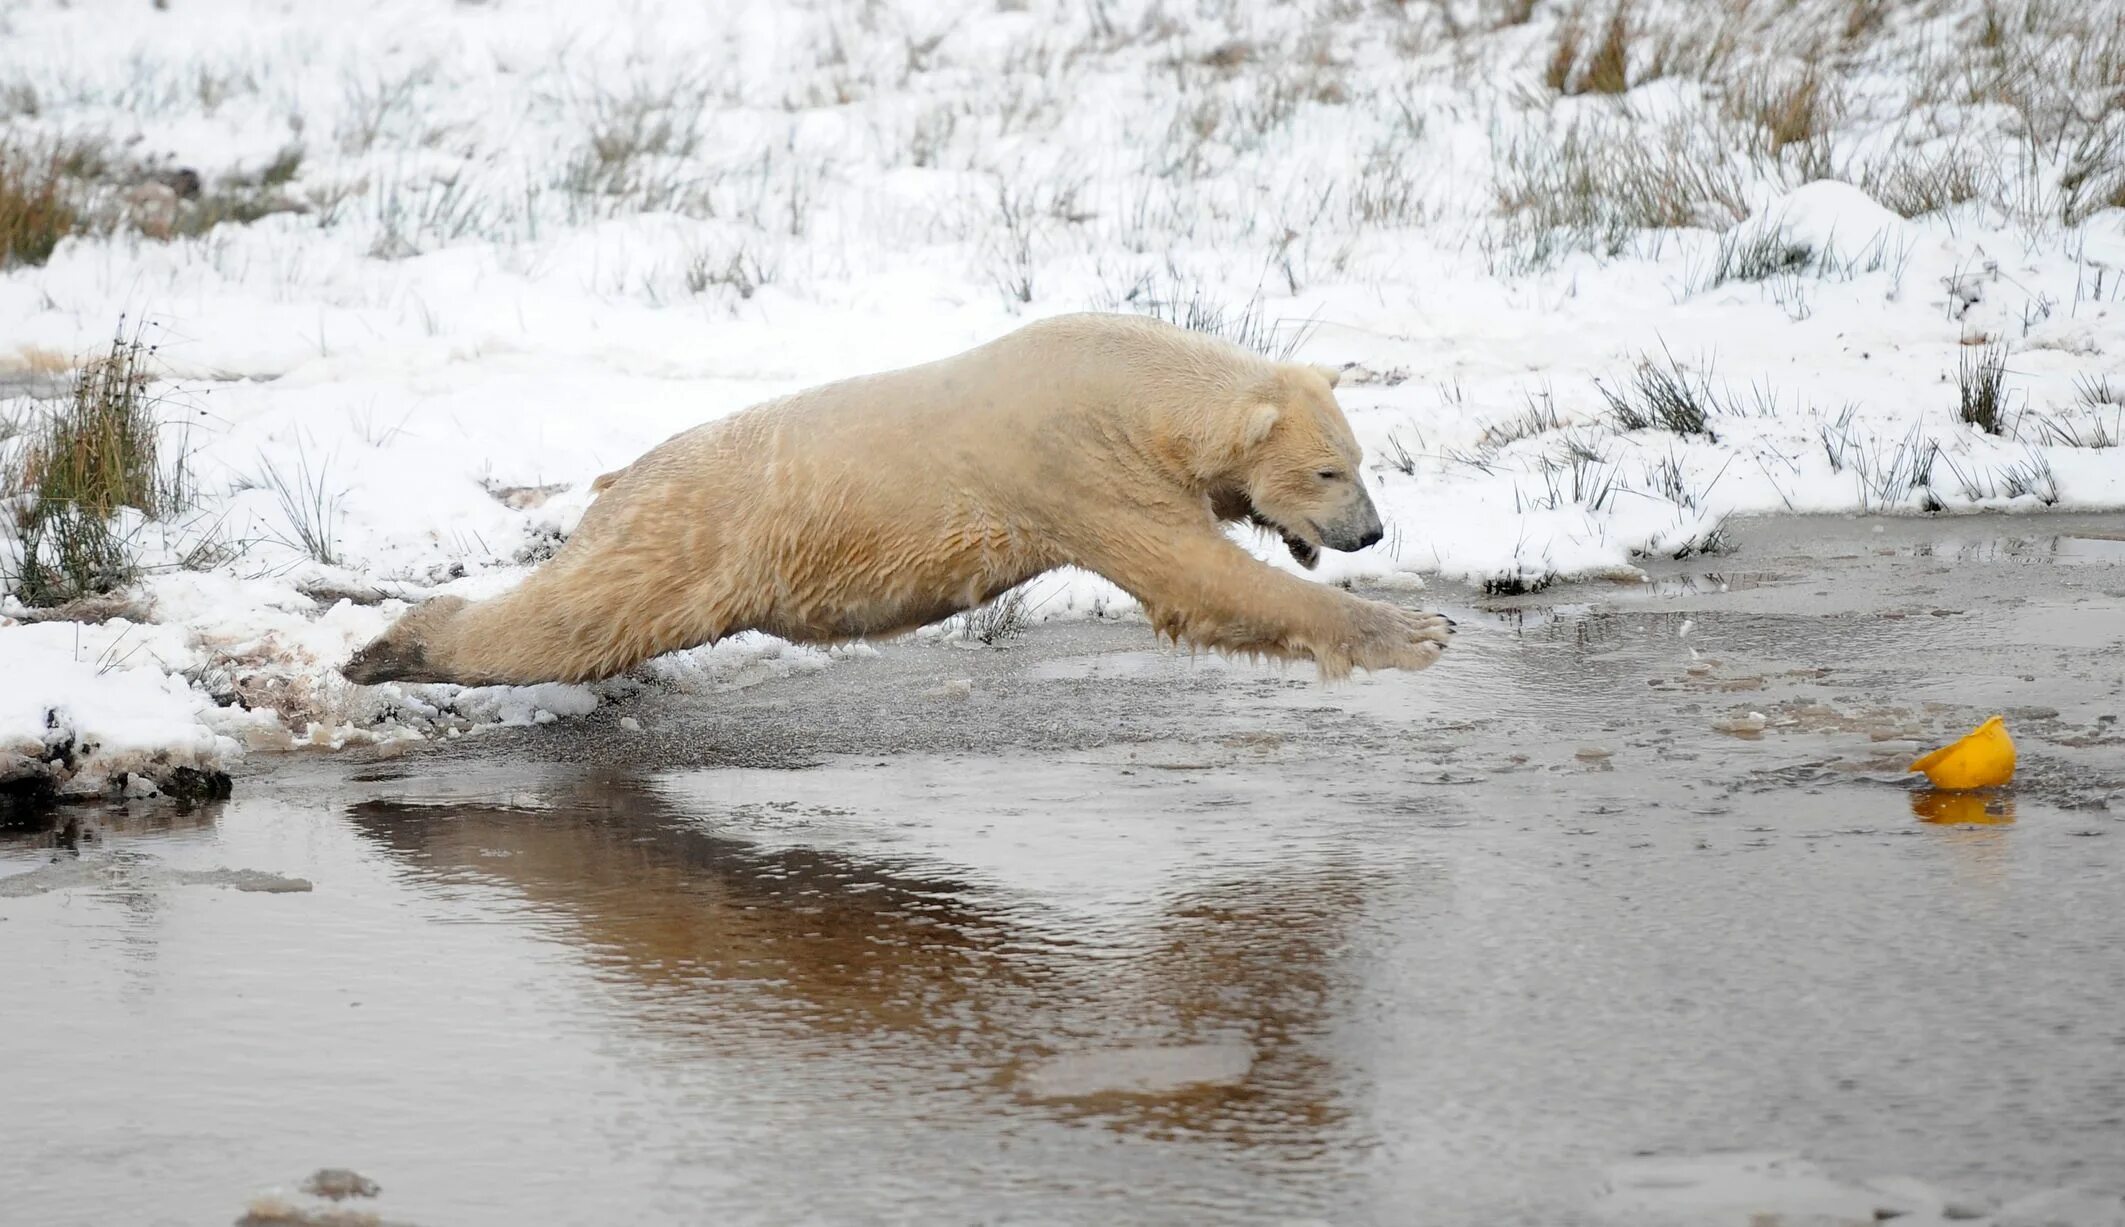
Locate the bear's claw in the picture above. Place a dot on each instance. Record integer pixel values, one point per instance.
(1434, 627)
(1390, 637)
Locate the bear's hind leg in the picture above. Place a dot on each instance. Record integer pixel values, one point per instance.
(583, 616)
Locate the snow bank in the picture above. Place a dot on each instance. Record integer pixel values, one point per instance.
(80, 723)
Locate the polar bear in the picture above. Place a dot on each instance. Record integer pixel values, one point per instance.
(873, 506)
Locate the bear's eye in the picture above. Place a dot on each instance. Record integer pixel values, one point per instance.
(1328, 474)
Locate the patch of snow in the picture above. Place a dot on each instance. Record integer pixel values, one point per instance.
(1830, 216)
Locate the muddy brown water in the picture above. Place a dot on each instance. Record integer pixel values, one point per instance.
(1111, 934)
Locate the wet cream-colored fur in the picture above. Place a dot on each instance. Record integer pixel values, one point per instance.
(876, 505)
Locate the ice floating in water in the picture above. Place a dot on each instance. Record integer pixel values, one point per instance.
(1756, 1189)
(339, 1183)
(135, 873)
(1746, 1189)
(254, 880)
(58, 875)
(332, 1184)
(1750, 725)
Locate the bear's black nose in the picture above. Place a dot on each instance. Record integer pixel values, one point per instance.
(1369, 539)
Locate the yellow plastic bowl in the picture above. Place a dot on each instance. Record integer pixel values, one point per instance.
(1984, 759)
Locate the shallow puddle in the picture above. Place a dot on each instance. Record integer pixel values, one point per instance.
(1109, 934)
(1055, 989)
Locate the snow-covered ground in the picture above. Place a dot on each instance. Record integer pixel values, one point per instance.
(525, 241)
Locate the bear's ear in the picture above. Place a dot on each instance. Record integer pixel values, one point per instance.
(1231, 435)
(1256, 421)
(1329, 373)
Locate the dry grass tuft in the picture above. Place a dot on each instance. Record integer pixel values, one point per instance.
(35, 209)
(1564, 53)
(78, 467)
(2094, 178)
(739, 270)
(1512, 13)
(1608, 68)
(1755, 254)
(1980, 378)
(1574, 67)
(1864, 19)
(1005, 618)
(1791, 112)
(1661, 396)
(309, 503)
(82, 186)
(1992, 32)
(1912, 184)
(1598, 184)
(99, 451)
(1702, 50)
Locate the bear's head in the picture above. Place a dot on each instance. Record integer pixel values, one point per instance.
(1290, 465)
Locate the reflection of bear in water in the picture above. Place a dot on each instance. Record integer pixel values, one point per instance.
(876, 505)
(757, 952)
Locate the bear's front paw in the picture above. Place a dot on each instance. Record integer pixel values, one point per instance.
(1390, 637)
